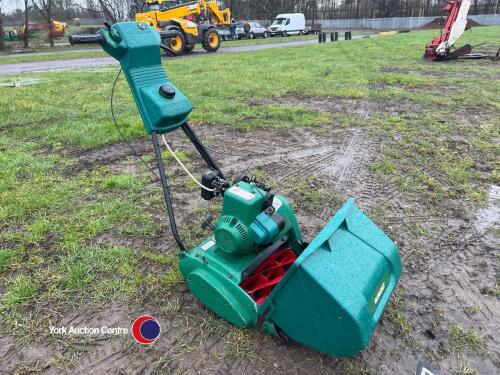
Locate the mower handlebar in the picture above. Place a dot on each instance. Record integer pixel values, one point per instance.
(86, 39)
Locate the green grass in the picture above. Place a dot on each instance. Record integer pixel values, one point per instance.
(80, 52)
(42, 48)
(20, 292)
(461, 339)
(270, 40)
(395, 312)
(241, 343)
(6, 259)
(67, 233)
(473, 309)
(310, 195)
(62, 55)
(464, 369)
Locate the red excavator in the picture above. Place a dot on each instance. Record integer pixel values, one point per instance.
(442, 46)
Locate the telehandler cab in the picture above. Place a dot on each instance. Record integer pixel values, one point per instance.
(179, 33)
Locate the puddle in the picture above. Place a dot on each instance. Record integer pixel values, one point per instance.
(489, 217)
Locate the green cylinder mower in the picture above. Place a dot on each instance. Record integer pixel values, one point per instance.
(253, 269)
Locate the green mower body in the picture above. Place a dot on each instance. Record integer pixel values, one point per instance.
(162, 106)
(329, 295)
(254, 270)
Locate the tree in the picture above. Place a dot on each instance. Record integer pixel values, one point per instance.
(2, 41)
(116, 10)
(26, 32)
(44, 7)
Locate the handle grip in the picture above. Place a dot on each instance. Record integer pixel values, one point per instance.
(86, 39)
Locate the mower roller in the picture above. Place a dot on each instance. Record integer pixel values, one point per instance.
(254, 269)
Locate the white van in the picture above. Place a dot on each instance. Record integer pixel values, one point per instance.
(288, 24)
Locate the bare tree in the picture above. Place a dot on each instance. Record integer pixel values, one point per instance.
(91, 8)
(116, 10)
(108, 10)
(44, 7)
(2, 41)
(26, 32)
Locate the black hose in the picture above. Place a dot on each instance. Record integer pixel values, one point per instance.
(166, 193)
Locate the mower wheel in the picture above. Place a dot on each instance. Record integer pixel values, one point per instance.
(211, 40)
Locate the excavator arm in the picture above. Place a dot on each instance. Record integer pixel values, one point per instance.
(456, 23)
(455, 27)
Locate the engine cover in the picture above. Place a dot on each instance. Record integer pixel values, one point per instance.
(251, 218)
(232, 236)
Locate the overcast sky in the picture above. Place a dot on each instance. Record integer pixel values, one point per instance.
(9, 5)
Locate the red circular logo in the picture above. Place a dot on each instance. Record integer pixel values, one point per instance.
(146, 329)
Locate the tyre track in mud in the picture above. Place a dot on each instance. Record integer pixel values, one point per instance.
(108, 154)
(347, 157)
(328, 159)
(465, 264)
(339, 159)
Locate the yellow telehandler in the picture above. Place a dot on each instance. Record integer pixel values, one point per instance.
(182, 25)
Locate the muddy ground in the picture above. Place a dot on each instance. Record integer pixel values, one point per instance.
(451, 268)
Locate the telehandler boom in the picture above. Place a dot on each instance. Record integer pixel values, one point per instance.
(178, 32)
